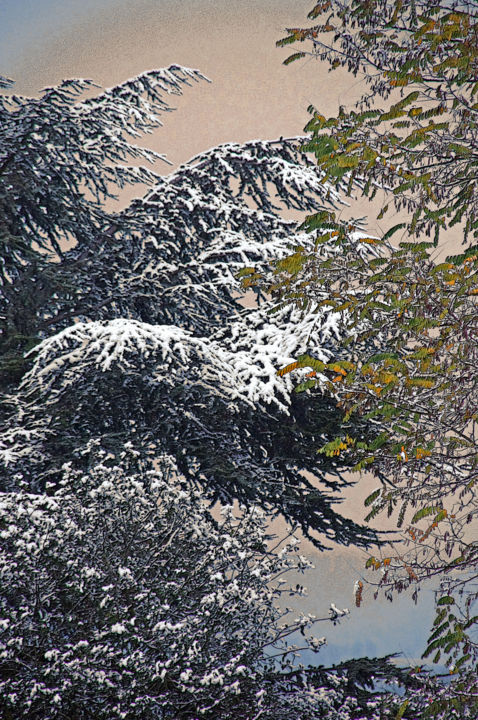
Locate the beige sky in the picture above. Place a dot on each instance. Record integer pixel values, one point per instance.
(252, 94)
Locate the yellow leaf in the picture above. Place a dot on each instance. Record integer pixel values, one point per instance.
(287, 369)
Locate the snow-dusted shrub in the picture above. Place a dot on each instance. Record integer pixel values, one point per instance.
(120, 597)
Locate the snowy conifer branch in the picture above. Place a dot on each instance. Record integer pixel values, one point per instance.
(195, 230)
(60, 143)
(161, 384)
(160, 342)
(60, 157)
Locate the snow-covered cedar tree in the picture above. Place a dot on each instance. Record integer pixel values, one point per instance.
(120, 597)
(148, 338)
(224, 418)
(61, 156)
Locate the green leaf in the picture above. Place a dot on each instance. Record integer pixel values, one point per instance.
(393, 230)
(306, 385)
(461, 661)
(425, 512)
(379, 441)
(373, 496)
(446, 600)
(295, 56)
(401, 710)
(286, 41)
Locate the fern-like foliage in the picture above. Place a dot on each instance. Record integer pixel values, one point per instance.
(405, 364)
(422, 58)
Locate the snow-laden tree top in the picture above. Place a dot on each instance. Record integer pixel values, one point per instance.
(58, 145)
(187, 239)
(144, 334)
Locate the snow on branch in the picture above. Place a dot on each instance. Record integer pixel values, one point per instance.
(169, 599)
(121, 343)
(296, 180)
(197, 228)
(66, 360)
(134, 108)
(56, 146)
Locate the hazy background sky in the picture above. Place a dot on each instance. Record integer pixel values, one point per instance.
(232, 42)
(252, 95)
